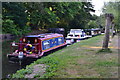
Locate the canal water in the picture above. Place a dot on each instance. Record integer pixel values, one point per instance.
(7, 66)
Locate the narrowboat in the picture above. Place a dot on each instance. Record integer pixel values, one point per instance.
(75, 35)
(34, 46)
(92, 32)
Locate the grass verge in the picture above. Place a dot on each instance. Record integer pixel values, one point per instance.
(104, 51)
(78, 61)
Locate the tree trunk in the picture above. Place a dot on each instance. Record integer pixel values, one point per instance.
(107, 30)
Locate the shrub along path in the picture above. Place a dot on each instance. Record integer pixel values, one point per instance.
(79, 60)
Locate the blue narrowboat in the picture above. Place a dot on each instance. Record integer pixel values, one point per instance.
(34, 46)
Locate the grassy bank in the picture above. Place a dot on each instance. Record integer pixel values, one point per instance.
(79, 60)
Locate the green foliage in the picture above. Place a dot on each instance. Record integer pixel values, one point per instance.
(82, 16)
(101, 21)
(52, 64)
(92, 24)
(21, 73)
(35, 15)
(14, 18)
(37, 76)
(16, 12)
(10, 27)
(113, 7)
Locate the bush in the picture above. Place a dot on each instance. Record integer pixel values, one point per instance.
(21, 73)
(10, 27)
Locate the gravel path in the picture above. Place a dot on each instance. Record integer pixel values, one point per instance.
(38, 70)
(115, 42)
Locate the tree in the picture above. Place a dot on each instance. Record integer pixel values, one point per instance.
(14, 18)
(35, 15)
(83, 16)
(92, 24)
(109, 18)
(16, 12)
(101, 20)
(114, 8)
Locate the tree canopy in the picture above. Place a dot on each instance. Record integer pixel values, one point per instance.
(21, 17)
(114, 8)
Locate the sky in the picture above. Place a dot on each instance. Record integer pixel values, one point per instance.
(98, 4)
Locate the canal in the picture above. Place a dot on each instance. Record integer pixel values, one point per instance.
(9, 67)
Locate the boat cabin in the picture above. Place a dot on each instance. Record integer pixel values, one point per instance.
(93, 32)
(75, 35)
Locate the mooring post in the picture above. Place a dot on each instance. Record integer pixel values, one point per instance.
(109, 18)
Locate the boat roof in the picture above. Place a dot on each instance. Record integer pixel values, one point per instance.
(76, 29)
(92, 29)
(45, 35)
(39, 35)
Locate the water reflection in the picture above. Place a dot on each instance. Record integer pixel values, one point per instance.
(8, 67)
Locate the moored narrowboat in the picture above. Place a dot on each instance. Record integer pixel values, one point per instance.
(93, 32)
(75, 35)
(34, 46)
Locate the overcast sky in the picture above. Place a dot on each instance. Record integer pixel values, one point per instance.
(98, 4)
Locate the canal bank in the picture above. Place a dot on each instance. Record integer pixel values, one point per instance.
(6, 37)
(79, 60)
(8, 67)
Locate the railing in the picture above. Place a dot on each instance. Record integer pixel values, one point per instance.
(21, 45)
(16, 44)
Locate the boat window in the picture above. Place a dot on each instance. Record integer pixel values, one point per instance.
(46, 45)
(70, 35)
(76, 35)
(31, 40)
(68, 39)
(82, 35)
(77, 31)
(36, 41)
(24, 40)
(60, 40)
(54, 42)
(72, 31)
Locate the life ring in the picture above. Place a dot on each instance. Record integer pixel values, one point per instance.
(28, 49)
